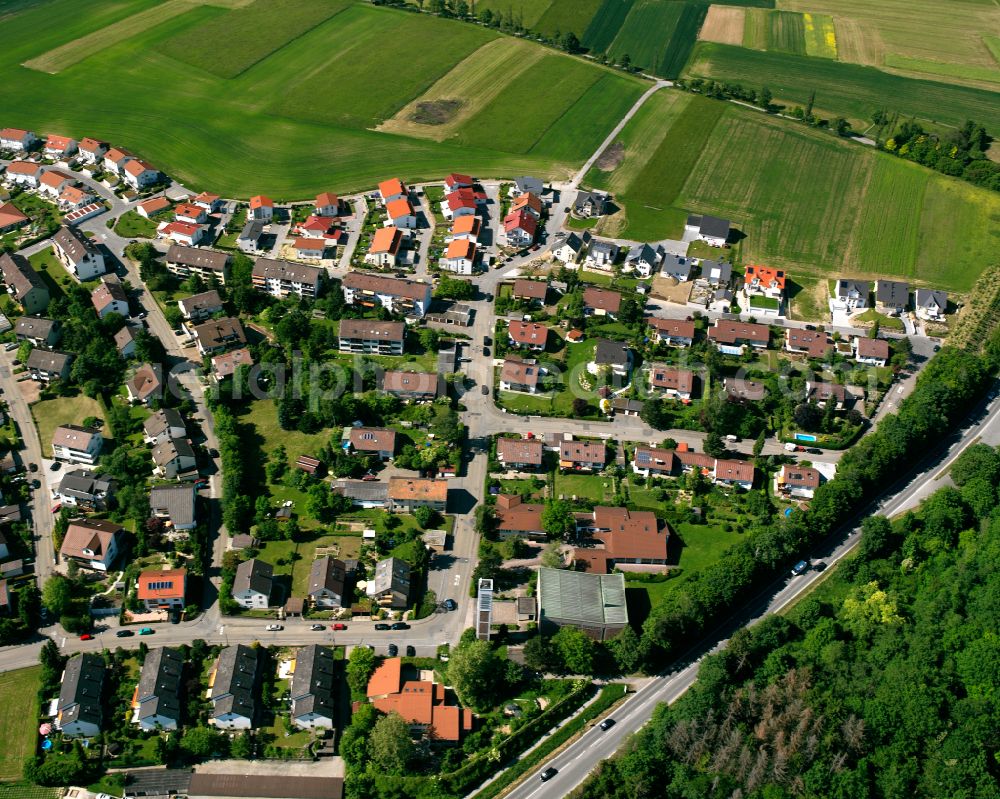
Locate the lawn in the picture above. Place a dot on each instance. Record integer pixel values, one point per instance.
(585, 486)
(49, 414)
(263, 415)
(131, 225)
(348, 546)
(51, 271)
(18, 720)
(284, 97)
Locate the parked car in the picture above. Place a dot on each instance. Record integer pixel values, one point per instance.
(369, 477)
(548, 774)
(819, 565)
(340, 626)
(450, 604)
(57, 507)
(486, 352)
(146, 631)
(607, 724)
(400, 625)
(55, 466)
(393, 650)
(124, 634)
(800, 568)
(317, 627)
(411, 651)
(86, 637)
(274, 628)
(486, 341)
(814, 451)
(13, 345)
(32, 467)
(382, 626)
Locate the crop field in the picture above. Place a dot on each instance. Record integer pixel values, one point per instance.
(18, 719)
(804, 200)
(527, 12)
(936, 68)
(724, 25)
(658, 35)
(848, 90)
(312, 81)
(564, 16)
(789, 32)
(606, 23)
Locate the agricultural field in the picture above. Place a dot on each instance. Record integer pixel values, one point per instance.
(790, 32)
(802, 199)
(18, 719)
(658, 35)
(606, 23)
(525, 12)
(565, 16)
(290, 100)
(847, 90)
(724, 25)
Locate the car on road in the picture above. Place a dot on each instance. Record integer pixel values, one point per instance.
(382, 626)
(32, 467)
(819, 565)
(814, 451)
(86, 637)
(340, 626)
(36, 484)
(55, 466)
(486, 341)
(411, 651)
(548, 774)
(13, 345)
(393, 650)
(57, 507)
(800, 568)
(486, 391)
(400, 625)
(450, 604)
(486, 352)
(607, 724)
(317, 627)
(274, 628)
(124, 634)
(146, 631)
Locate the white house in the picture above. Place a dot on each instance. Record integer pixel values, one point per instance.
(874, 351)
(78, 254)
(235, 688)
(797, 481)
(401, 214)
(115, 160)
(603, 255)
(710, 229)
(163, 425)
(930, 305)
(59, 147)
(261, 208)
(138, 174)
(52, 183)
(192, 213)
(17, 140)
(173, 458)
(24, 173)
(850, 295)
(183, 233)
(643, 259)
(252, 583)
(460, 257)
(571, 247)
(156, 704)
(327, 204)
(91, 151)
(75, 444)
(79, 710)
(110, 297)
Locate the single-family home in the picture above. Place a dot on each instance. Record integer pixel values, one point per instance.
(458, 204)
(17, 139)
(601, 302)
(252, 583)
(315, 683)
(78, 254)
(115, 159)
(261, 208)
(174, 459)
(589, 204)
(327, 583)
(400, 214)
(23, 283)
(396, 295)
(582, 456)
(11, 218)
(616, 537)
(530, 290)
(380, 441)
(153, 206)
(850, 295)
(198, 307)
(740, 389)
(466, 227)
(79, 711)
(162, 589)
(643, 260)
(92, 543)
(26, 174)
(282, 278)
(252, 235)
(415, 386)
(527, 335)
(390, 587)
(145, 385)
(226, 364)
(326, 204)
(139, 174)
(734, 473)
(670, 381)
(571, 247)
(191, 213)
(406, 494)
(162, 425)
(392, 189)
(185, 234)
(51, 184)
(386, 246)
(210, 202)
(234, 688)
(672, 332)
(216, 335)
(427, 707)
(519, 374)
(458, 181)
(372, 336)
(519, 228)
(41, 332)
(931, 305)
(614, 356)
(363, 493)
(603, 255)
(797, 481)
(710, 229)
(460, 257)
(732, 337)
(525, 184)
(515, 517)
(45, 365)
(72, 198)
(529, 203)
(125, 339)
(207, 264)
(764, 281)
(156, 703)
(891, 296)
(109, 297)
(592, 602)
(175, 504)
(75, 444)
(874, 351)
(813, 343)
(85, 488)
(91, 151)
(522, 454)
(821, 393)
(654, 462)
(59, 147)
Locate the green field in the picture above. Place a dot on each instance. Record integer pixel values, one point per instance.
(18, 719)
(604, 26)
(564, 16)
(49, 414)
(284, 96)
(848, 90)
(658, 35)
(804, 200)
(525, 12)
(790, 32)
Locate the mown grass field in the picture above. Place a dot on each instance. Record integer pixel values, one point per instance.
(847, 90)
(803, 199)
(658, 35)
(18, 717)
(563, 16)
(605, 24)
(528, 12)
(285, 96)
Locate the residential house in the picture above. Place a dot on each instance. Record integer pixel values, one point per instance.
(603, 255)
(530, 290)
(328, 583)
(235, 688)
(732, 337)
(162, 589)
(175, 504)
(457, 181)
(6, 608)
(4, 548)
(467, 227)
(582, 456)
(931, 305)
(390, 587)
(183, 234)
(710, 229)
(315, 683)
(145, 384)
(76, 444)
(209, 265)
(525, 184)
(677, 383)
(874, 351)
(125, 339)
(891, 296)
(140, 174)
(73, 198)
(363, 493)
(740, 389)
(396, 295)
(59, 147)
(458, 204)
(153, 206)
(371, 336)
(643, 259)
(210, 202)
(282, 278)
(821, 393)
(85, 488)
(601, 302)
(380, 441)
(514, 517)
(92, 543)
(571, 248)
(813, 343)
(654, 462)
(415, 386)
(91, 151)
(252, 583)
(51, 184)
(217, 335)
(406, 494)
(385, 248)
(78, 254)
(594, 603)
(26, 174)
(41, 332)
(251, 238)
(110, 297)
(427, 707)
(48, 365)
(310, 248)
(589, 204)
(676, 267)
(519, 374)
(527, 335)
(23, 283)
(690, 461)
(613, 355)
(326, 204)
(521, 454)
(764, 281)
(174, 459)
(201, 306)
(672, 332)
(617, 538)
(17, 139)
(519, 229)
(191, 213)
(734, 473)
(156, 703)
(79, 711)
(850, 295)
(401, 214)
(226, 364)
(115, 159)
(11, 218)
(460, 257)
(626, 407)
(392, 189)
(797, 481)
(261, 209)
(162, 425)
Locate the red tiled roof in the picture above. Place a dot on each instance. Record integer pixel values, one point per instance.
(155, 205)
(387, 188)
(528, 332)
(373, 439)
(175, 577)
(873, 348)
(260, 201)
(730, 332)
(520, 450)
(520, 220)
(469, 223)
(742, 471)
(527, 200)
(387, 678)
(327, 198)
(677, 328)
(531, 289)
(519, 372)
(681, 380)
(602, 299)
(799, 476)
(10, 215)
(461, 248)
(765, 275)
(398, 208)
(386, 239)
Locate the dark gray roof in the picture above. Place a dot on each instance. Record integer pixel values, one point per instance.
(928, 298)
(892, 292)
(676, 265)
(252, 230)
(607, 247)
(861, 287)
(19, 274)
(35, 327)
(714, 226)
(166, 451)
(631, 405)
(314, 682)
(391, 574)
(327, 573)
(194, 256)
(48, 360)
(534, 185)
(74, 243)
(642, 252)
(253, 575)
(176, 501)
(80, 694)
(611, 352)
(286, 270)
(595, 198)
(235, 681)
(362, 491)
(85, 484)
(159, 687)
(725, 271)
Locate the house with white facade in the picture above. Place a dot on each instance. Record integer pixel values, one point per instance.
(252, 584)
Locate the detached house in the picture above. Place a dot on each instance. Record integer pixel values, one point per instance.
(79, 711)
(526, 184)
(589, 204)
(91, 151)
(672, 332)
(390, 587)
(153, 206)
(931, 305)
(11, 218)
(146, 384)
(643, 260)
(41, 332)
(654, 462)
(51, 184)
(618, 537)
(174, 459)
(529, 203)
(185, 234)
(797, 481)
(413, 386)
(520, 228)
(710, 229)
(23, 283)
(125, 340)
(48, 365)
(874, 351)
(571, 247)
(734, 473)
(191, 213)
(85, 488)
(217, 335)
(392, 189)
(585, 456)
(59, 147)
(821, 393)
(514, 517)
(764, 281)
(327, 583)
(401, 214)
(459, 204)
(612, 355)
(733, 337)
(315, 683)
(424, 705)
(78, 254)
(92, 543)
(139, 174)
(850, 295)
(110, 297)
(261, 208)
(519, 453)
(75, 444)
(677, 383)
(175, 504)
(252, 583)
(530, 290)
(24, 173)
(603, 255)
(458, 181)
(406, 494)
(891, 296)
(200, 306)
(162, 589)
(163, 425)
(115, 160)
(380, 441)
(527, 335)
(811, 342)
(156, 703)
(601, 302)
(327, 204)
(17, 139)
(467, 227)
(518, 374)
(386, 246)
(210, 202)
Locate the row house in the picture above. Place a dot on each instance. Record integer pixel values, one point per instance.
(519, 453)
(156, 703)
(582, 456)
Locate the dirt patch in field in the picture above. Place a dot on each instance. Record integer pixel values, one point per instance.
(611, 157)
(437, 112)
(723, 24)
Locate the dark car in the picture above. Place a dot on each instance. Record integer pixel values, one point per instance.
(393, 650)
(486, 341)
(814, 451)
(382, 626)
(819, 565)
(486, 390)
(411, 651)
(401, 625)
(32, 467)
(55, 466)
(124, 634)
(548, 774)
(800, 568)
(486, 352)
(450, 604)
(317, 627)
(607, 724)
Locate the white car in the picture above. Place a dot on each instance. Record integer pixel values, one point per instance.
(273, 628)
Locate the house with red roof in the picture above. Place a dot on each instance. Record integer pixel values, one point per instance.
(514, 516)
(155, 205)
(24, 173)
(91, 151)
(672, 332)
(520, 453)
(17, 139)
(210, 202)
(386, 246)
(460, 257)
(327, 204)
(458, 203)
(732, 337)
(162, 589)
(51, 184)
(59, 147)
(261, 208)
(764, 281)
(616, 537)
(810, 342)
(601, 302)
(528, 202)
(673, 382)
(183, 233)
(874, 351)
(467, 227)
(139, 174)
(74, 197)
(189, 212)
(527, 335)
(401, 214)
(456, 181)
(11, 218)
(519, 228)
(309, 248)
(115, 160)
(393, 189)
